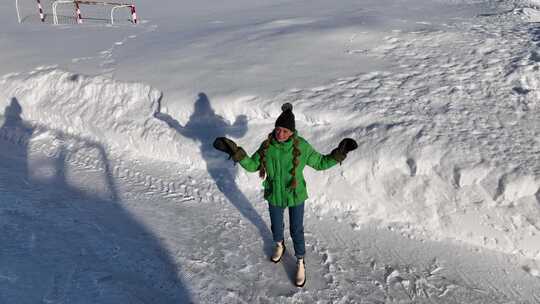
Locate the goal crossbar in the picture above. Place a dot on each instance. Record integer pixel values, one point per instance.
(76, 4)
(103, 3)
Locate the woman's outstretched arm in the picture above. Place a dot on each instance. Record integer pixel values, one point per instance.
(318, 161)
(251, 164)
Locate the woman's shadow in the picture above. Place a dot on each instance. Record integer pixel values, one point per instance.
(205, 125)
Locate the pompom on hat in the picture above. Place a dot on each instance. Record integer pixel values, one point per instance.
(286, 118)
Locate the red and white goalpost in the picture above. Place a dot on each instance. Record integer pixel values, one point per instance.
(31, 9)
(114, 6)
(77, 11)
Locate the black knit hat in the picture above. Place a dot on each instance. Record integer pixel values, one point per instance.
(286, 119)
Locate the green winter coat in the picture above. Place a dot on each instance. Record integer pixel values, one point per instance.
(279, 163)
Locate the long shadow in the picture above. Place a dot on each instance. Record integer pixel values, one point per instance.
(14, 128)
(63, 244)
(204, 126)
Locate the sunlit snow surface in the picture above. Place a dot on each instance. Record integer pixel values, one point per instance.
(111, 192)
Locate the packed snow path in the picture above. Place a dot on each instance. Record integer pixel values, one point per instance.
(91, 228)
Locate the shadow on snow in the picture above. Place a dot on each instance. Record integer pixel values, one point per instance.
(63, 244)
(204, 126)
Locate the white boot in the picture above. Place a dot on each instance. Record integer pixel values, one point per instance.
(278, 252)
(300, 280)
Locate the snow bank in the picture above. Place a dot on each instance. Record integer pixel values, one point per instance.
(437, 167)
(426, 188)
(406, 174)
(119, 115)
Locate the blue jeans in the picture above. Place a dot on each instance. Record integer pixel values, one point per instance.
(296, 222)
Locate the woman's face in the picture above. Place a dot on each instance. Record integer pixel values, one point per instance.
(283, 134)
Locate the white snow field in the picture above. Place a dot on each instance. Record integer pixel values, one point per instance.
(111, 192)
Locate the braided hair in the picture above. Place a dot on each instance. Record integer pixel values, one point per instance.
(296, 158)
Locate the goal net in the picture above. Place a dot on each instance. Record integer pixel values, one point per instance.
(76, 11)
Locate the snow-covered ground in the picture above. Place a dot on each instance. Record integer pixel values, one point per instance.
(111, 191)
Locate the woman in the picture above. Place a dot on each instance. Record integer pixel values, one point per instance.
(280, 160)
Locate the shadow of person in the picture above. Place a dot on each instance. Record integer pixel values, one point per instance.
(12, 114)
(204, 126)
(15, 130)
(67, 240)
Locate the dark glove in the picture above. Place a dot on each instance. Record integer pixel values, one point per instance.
(345, 146)
(228, 146)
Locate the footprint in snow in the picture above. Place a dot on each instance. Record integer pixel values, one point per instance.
(532, 271)
(319, 89)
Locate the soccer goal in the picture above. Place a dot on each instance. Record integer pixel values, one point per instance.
(33, 10)
(76, 11)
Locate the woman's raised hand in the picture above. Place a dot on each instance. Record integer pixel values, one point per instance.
(345, 146)
(228, 146)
